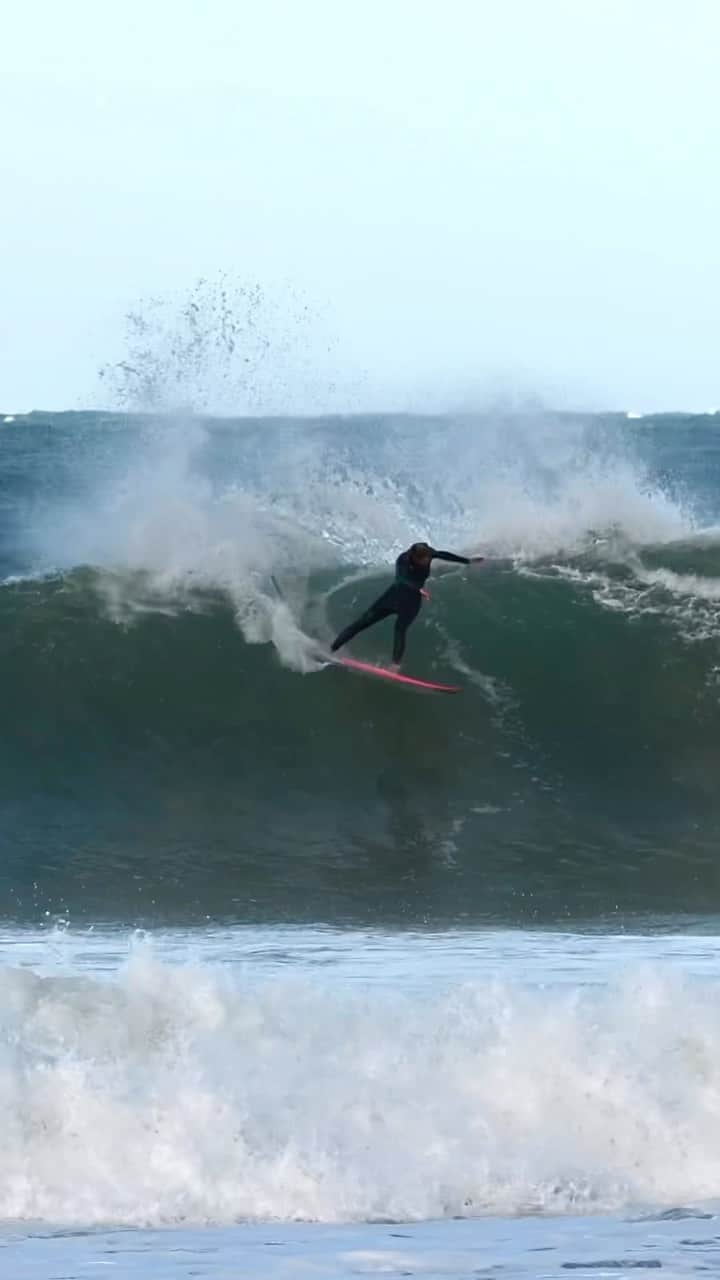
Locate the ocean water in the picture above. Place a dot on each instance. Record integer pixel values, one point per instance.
(304, 975)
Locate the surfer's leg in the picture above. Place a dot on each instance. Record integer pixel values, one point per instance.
(408, 610)
(382, 608)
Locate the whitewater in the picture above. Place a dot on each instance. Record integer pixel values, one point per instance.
(187, 1084)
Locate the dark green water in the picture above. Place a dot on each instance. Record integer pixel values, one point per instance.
(162, 757)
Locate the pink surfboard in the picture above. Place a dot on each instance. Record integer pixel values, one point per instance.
(381, 673)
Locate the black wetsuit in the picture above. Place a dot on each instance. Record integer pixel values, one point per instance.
(403, 598)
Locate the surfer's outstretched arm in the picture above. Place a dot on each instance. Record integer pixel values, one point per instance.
(452, 558)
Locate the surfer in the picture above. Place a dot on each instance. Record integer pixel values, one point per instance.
(404, 597)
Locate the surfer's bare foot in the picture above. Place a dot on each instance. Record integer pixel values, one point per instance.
(395, 666)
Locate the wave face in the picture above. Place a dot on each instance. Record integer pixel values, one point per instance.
(182, 1094)
(171, 749)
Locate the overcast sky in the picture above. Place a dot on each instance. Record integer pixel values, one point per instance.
(499, 194)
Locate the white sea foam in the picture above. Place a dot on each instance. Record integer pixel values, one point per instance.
(190, 1093)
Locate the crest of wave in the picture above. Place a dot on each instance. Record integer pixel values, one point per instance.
(293, 497)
